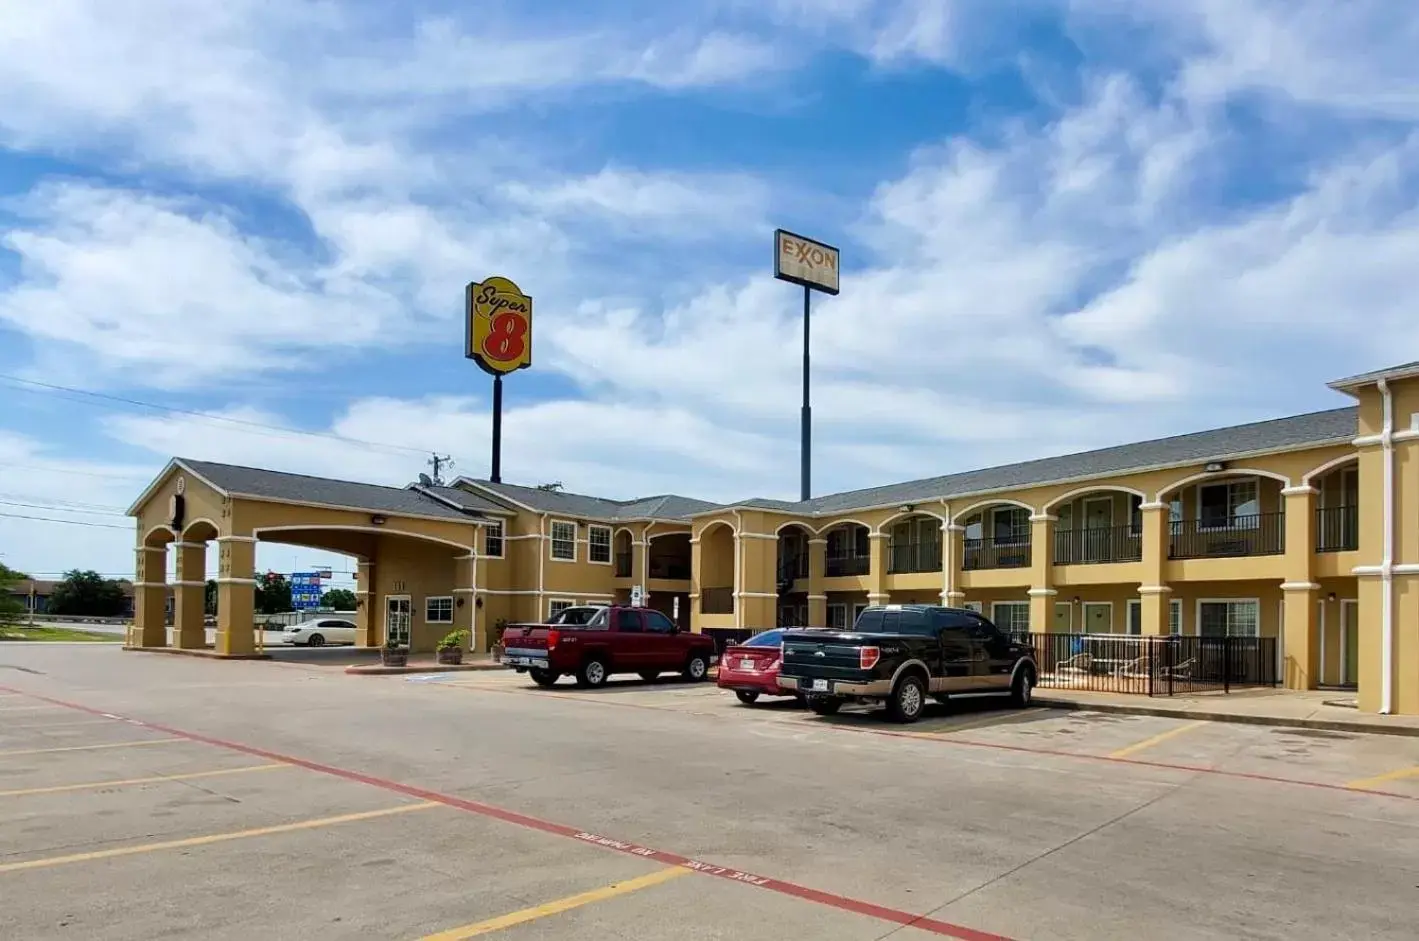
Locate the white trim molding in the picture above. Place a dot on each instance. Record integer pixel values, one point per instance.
(1155, 589)
(1043, 518)
(248, 538)
(188, 545)
(817, 541)
(772, 536)
(1300, 586)
(1299, 491)
(817, 597)
(1154, 505)
(236, 581)
(875, 594)
(1371, 571)
(465, 591)
(755, 594)
(1042, 592)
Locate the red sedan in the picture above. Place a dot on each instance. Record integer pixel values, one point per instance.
(751, 668)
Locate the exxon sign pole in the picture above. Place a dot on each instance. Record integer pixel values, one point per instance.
(814, 265)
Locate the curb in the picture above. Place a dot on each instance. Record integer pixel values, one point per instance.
(359, 669)
(1326, 725)
(206, 654)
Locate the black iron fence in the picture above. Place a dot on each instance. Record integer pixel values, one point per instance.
(1338, 529)
(716, 600)
(1253, 534)
(1153, 665)
(1097, 544)
(907, 557)
(727, 636)
(838, 565)
(993, 554)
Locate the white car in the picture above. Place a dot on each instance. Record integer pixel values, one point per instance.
(318, 632)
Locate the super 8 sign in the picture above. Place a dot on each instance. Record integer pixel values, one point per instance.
(499, 330)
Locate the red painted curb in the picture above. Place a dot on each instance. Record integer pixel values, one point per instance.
(779, 886)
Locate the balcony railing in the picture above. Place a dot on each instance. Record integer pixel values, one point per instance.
(1097, 544)
(906, 557)
(716, 600)
(673, 568)
(792, 564)
(996, 554)
(1253, 534)
(623, 565)
(1338, 529)
(840, 565)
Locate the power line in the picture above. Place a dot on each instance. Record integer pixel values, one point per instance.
(66, 503)
(62, 509)
(50, 519)
(266, 427)
(49, 468)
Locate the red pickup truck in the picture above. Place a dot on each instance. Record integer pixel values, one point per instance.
(615, 640)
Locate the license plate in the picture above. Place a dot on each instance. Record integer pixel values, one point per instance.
(818, 686)
(746, 664)
(525, 662)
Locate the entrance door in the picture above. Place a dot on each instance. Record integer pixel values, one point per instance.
(1135, 616)
(1063, 617)
(1098, 617)
(1350, 634)
(397, 618)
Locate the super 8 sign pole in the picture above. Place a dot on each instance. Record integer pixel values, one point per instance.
(814, 265)
(498, 337)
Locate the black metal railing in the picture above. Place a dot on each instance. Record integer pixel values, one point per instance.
(996, 554)
(907, 557)
(667, 567)
(1152, 665)
(837, 565)
(727, 636)
(716, 600)
(623, 565)
(1253, 534)
(1338, 529)
(792, 564)
(1093, 545)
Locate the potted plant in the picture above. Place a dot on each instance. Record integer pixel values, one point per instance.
(393, 654)
(450, 649)
(497, 647)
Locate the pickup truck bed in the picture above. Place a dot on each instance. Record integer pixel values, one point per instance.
(616, 640)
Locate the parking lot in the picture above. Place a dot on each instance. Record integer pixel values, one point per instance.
(143, 796)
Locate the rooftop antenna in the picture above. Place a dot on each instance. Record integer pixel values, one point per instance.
(438, 462)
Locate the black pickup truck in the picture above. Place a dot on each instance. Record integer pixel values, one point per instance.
(900, 654)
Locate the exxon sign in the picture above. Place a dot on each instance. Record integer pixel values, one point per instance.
(806, 262)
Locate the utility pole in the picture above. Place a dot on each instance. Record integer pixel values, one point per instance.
(438, 462)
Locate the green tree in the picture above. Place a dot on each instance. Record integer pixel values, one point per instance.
(273, 593)
(87, 594)
(341, 599)
(210, 603)
(10, 607)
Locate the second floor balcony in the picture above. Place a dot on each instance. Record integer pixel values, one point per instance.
(907, 557)
(1011, 553)
(1097, 544)
(1338, 529)
(1228, 536)
(839, 564)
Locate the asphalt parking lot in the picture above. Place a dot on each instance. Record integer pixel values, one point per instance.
(145, 796)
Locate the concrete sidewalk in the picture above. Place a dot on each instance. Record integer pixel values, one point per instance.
(1305, 710)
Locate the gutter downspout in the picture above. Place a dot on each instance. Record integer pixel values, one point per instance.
(946, 545)
(541, 566)
(738, 569)
(1387, 556)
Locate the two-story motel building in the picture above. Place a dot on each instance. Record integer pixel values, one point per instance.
(1303, 528)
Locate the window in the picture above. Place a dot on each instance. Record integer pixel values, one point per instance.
(628, 622)
(1228, 505)
(837, 616)
(857, 610)
(1175, 617)
(1012, 617)
(658, 623)
(563, 541)
(1010, 526)
(598, 544)
(1228, 618)
(974, 530)
(438, 610)
(493, 540)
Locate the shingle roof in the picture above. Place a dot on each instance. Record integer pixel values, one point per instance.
(1328, 427)
(474, 502)
(279, 485)
(1402, 371)
(663, 506)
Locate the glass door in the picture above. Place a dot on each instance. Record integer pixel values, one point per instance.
(397, 618)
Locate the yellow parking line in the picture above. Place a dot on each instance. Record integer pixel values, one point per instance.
(46, 751)
(212, 838)
(1155, 740)
(60, 788)
(561, 905)
(1367, 783)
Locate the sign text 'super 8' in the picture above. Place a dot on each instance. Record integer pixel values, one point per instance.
(499, 329)
(806, 262)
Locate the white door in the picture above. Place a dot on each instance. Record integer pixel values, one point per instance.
(397, 618)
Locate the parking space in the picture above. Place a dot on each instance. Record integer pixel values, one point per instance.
(221, 800)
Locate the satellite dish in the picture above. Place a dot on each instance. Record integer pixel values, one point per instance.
(426, 480)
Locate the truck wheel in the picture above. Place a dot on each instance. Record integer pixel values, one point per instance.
(747, 696)
(697, 669)
(593, 673)
(908, 699)
(544, 678)
(1023, 687)
(825, 705)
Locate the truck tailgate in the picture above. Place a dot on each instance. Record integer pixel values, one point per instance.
(822, 654)
(525, 646)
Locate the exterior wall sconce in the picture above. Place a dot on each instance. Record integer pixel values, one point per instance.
(459, 602)
(1330, 597)
(378, 520)
(907, 507)
(1215, 467)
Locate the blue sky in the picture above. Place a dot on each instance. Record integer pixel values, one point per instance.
(1065, 224)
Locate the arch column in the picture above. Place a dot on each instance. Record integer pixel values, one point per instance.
(952, 546)
(1042, 591)
(877, 568)
(367, 620)
(817, 566)
(1154, 591)
(189, 630)
(150, 597)
(756, 581)
(696, 582)
(236, 596)
(1300, 629)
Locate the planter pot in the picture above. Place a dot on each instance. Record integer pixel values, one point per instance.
(452, 655)
(394, 657)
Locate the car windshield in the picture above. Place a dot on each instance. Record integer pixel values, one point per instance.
(766, 639)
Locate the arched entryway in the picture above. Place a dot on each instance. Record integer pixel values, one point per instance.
(849, 550)
(717, 576)
(792, 575)
(1097, 525)
(997, 536)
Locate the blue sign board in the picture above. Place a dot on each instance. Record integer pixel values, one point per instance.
(306, 590)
